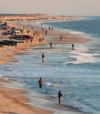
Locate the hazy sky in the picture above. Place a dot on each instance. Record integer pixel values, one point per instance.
(66, 7)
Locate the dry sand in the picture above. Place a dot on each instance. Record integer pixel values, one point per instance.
(7, 52)
(12, 101)
(67, 37)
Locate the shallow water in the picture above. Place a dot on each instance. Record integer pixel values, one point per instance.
(75, 72)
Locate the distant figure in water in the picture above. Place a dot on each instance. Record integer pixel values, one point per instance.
(46, 32)
(41, 25)
(72, 46)
(40, 82)
(49, 28)
(50, 45)
(52, 28)
(59, 96)
(43, 56)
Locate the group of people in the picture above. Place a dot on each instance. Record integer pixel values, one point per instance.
(43, 56)
(61, 37)
(40, 81)
(60, 95)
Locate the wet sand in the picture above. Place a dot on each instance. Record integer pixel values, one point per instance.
(17, 101)
(7, 52)
(12, 100)
(65, 37)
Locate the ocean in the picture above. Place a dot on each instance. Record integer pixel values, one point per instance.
(75, 72)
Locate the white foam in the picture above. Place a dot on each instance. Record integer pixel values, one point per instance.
(83, 57)
(0, 75)
(64, 112)
(4, 77)
(52, 84)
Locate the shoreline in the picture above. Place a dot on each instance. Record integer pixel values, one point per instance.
(7, 53)
(11, 52)
(19, 97)
(14, 101)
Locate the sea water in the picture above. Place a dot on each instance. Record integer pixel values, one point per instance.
(75, 72)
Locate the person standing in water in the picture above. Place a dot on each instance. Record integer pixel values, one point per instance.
(40, 82)
(46, 32)
(50, 45)
(43, 56)
(59, 96)
(72, 46)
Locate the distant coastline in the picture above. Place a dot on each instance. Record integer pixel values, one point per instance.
(13, 17)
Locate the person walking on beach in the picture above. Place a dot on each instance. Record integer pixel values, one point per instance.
(43, 56)
(72, 46)
(59, 96)
(40, 82)
(39, 40)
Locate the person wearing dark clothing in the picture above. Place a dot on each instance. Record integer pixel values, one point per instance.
(49, 28)
(40, 82)
(59, 96)
(72, 46)
(46, 32)
(50, 45)
(39, 40)
(43, 57)
(28, 31)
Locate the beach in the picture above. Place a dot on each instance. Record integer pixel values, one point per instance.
(14, 101)
(68, 38)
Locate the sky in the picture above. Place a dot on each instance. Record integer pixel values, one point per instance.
(52, 7)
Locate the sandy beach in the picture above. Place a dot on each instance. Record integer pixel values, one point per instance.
(50, 57)
(7, 52)
(13, 101)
